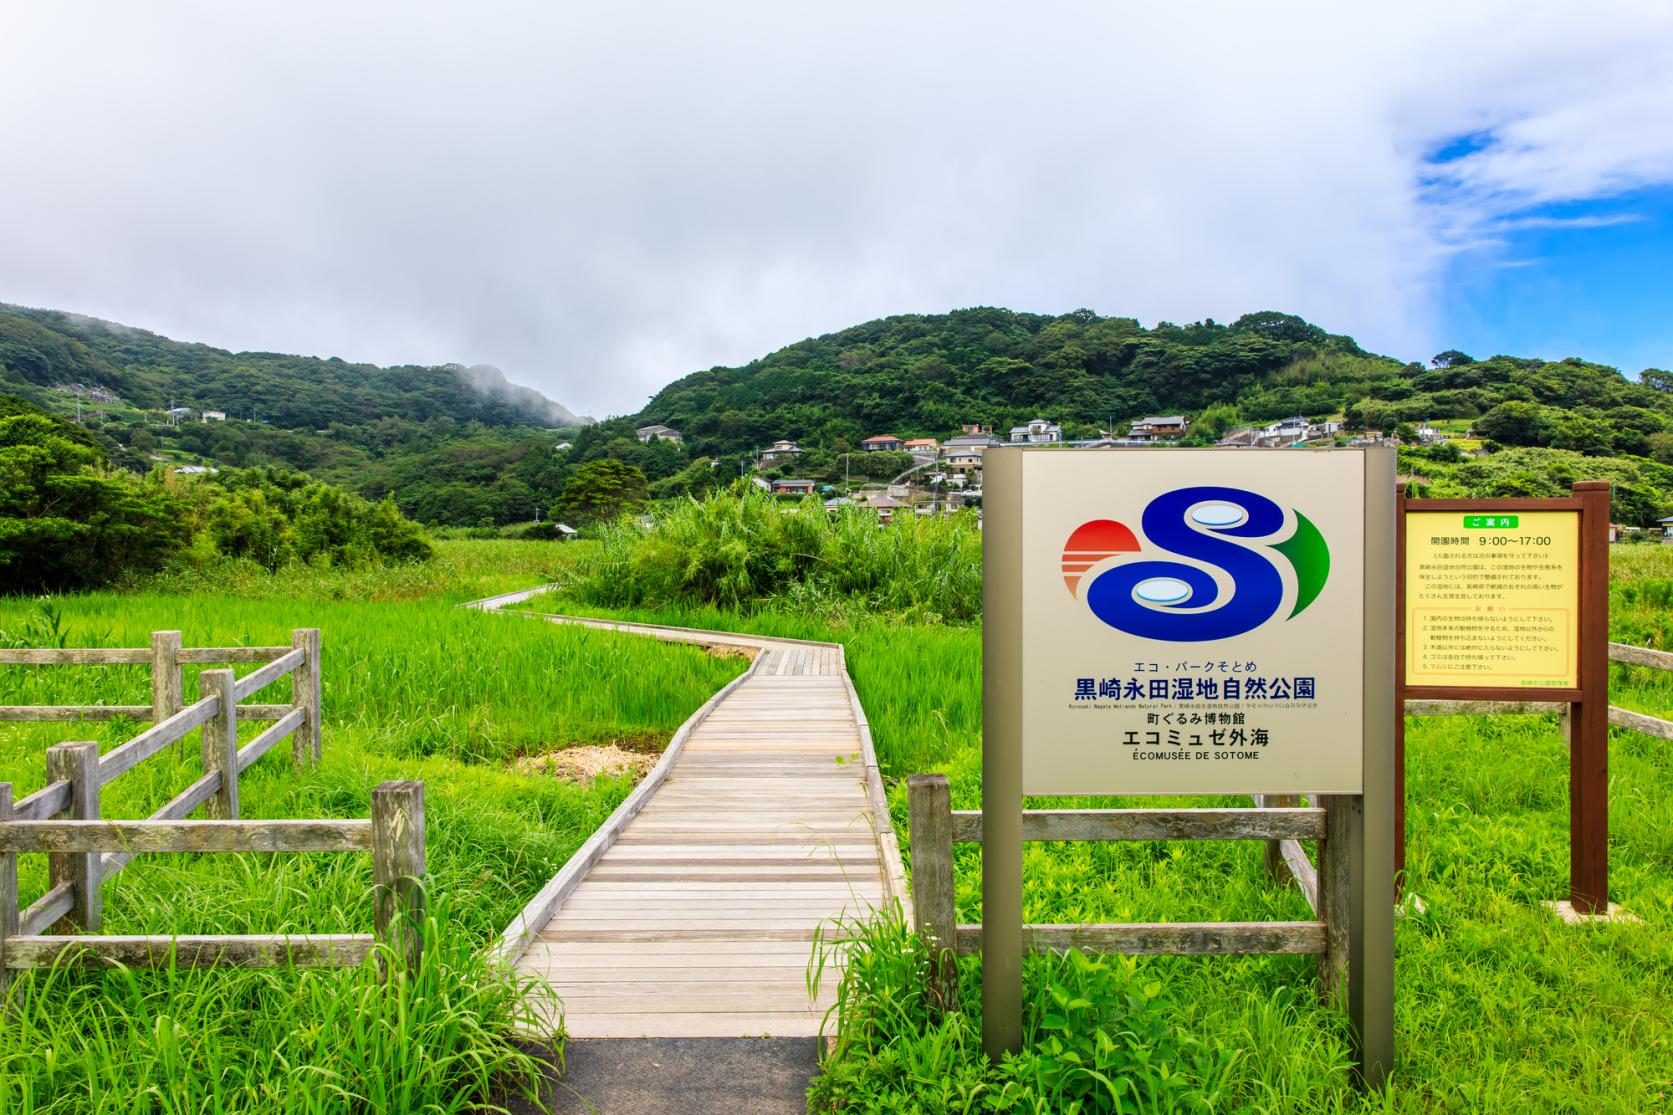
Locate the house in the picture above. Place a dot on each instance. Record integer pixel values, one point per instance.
(195, 470)
(1037, 432)
(885, 506)
(1666, 526)
(963, 460)
(179, 412)
(882, 442)
(977, 442)
(566, 533)
(832, 505)
(563, 447)
(781, 451)
(975, 429)
(1159, 427)
(923, 445)
(1285, 431)
(658, 433)
(213, 416)
(792, 487)
(1243, 437)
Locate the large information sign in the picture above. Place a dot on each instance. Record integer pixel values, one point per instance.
(1493, 599)
(1189, 621)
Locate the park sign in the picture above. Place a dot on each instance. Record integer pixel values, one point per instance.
(1187, 621)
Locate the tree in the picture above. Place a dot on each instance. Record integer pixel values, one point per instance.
(1451, 358)
(602, 490)
(1657, 379)
(1514, 423)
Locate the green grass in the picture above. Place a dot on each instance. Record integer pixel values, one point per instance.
(1499, 1008)
(413, 688)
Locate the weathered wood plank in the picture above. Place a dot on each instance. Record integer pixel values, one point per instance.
(1638, 722)
(1154, 824)
(220, 742)
(256, 748)
(157, 737)
(934, 911)
(75, 656)
(167, 680)
(51, 714)
(44, 804)
(176, 808)
(9, 913)
(305, 950)
(47, 910)
(257, 680)
(77, 764)
(305, 694)
(1167, 938)
(1302, 870)
(185, 836)
(228, 656)
(1641, 656)
(1481, 708)
(399, 905)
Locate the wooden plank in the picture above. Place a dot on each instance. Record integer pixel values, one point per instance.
(44, 714)
(264, 712)
(44, 804)
(305, 693)
(154, 739)
(1638, 722)
(1167, 938)
(399, 904)
(264, 742)
(257, 680)
(1641, 656)
(176, 808)
(219, 742)
(670, 1025)
(804, 933)
(8, 892)
(1301, 868)
(46, 911)
(75, 656)
(77, 764)
(298, 950)
(185, 836)
(167, 680)
(1480, 708)
(1154, 824)
(227, 656)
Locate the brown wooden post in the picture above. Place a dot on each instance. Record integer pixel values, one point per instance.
(1588, 763)
(77, 764)
(220, 743)
(934, 913)
(167, 683)
(9, 910)
(305, 694)
(1334, 907)
(398, 868)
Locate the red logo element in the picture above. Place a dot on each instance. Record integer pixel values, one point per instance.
(1092, 543)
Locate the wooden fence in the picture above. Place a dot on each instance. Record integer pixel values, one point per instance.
(85, 849)
(1288, 854)
(936, 827)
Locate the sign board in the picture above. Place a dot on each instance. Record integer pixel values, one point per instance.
(1492, 599)
(1190, 621)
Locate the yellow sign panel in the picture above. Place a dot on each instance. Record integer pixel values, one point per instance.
(1492, 599)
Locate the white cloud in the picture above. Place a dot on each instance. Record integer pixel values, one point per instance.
(601, 199)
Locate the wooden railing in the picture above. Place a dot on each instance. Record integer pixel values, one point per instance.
(79, 848)
(935, 827)
(86, 850)
(166, 657)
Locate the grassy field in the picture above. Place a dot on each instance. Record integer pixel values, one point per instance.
(413, 688)
(1500, 1008)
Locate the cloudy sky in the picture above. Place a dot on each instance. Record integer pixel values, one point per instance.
(601, 198)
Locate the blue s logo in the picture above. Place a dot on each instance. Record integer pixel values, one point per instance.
(1173, 601)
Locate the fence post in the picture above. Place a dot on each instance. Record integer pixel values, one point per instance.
(220, 743)
(9, 912)
(1334, 909)
(166, 681)
(305, 693)
(934, 913)
(77, 764)
(1276, 869)
(398, 867)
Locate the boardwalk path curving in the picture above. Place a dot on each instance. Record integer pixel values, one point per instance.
(692, 911)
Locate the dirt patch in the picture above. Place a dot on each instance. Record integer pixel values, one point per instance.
(585, 762)
(721, 650)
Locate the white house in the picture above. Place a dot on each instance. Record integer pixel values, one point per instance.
(1037, 432)
(213, 416)
(781, 451)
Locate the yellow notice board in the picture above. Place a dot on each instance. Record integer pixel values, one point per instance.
(1492, 598)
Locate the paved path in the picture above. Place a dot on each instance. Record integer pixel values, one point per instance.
(697, 913)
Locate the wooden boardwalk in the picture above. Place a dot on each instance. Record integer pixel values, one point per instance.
(693, 912)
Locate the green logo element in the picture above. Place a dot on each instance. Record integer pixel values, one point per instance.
(1490, 522)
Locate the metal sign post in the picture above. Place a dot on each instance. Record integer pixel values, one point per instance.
(1187, 621)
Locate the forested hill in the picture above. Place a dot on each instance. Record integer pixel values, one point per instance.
(45, 349)
(924, 376)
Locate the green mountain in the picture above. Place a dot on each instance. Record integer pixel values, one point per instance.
(45, 349)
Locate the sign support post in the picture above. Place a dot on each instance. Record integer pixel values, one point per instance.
(1371, 838)
(1002, 765)
(1588, 761)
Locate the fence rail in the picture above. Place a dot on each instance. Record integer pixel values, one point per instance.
(935, 827)
(62, 819)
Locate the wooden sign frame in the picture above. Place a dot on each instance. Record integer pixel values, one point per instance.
(1588, 702)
